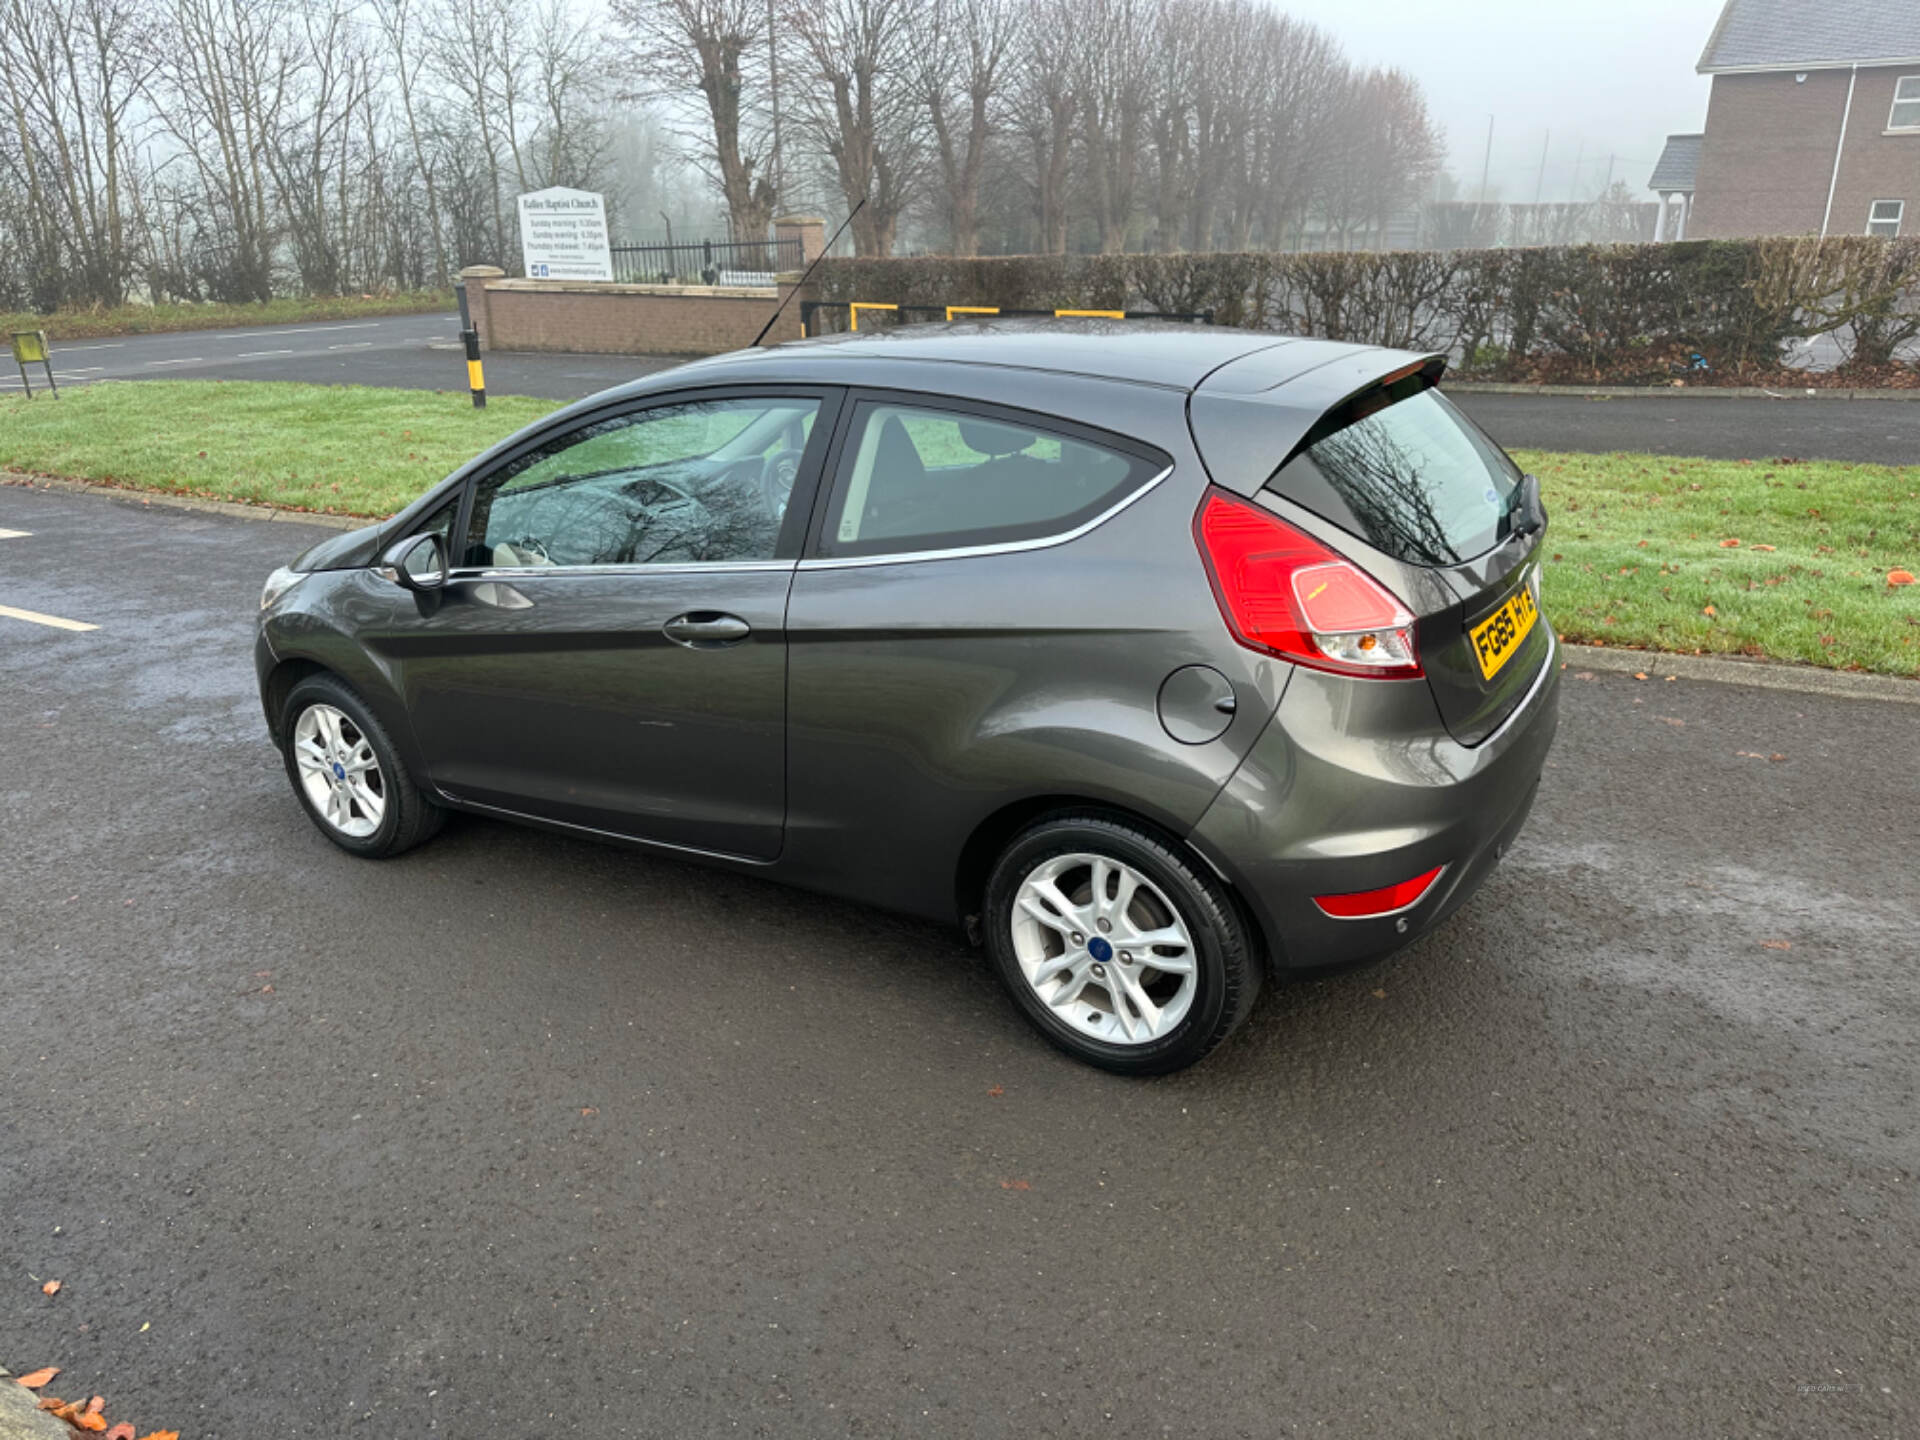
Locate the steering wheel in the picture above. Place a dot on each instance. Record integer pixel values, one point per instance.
(777, 474)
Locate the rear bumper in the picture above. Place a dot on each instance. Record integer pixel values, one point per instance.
(1356, 785)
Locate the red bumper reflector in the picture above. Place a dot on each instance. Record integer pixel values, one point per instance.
(1363, 903)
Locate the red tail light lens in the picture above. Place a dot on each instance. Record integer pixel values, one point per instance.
(1284, 592)
(1386, 901)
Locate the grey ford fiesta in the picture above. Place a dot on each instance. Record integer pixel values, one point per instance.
(1161, 659)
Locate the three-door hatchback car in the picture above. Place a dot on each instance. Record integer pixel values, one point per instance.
(1158, 658)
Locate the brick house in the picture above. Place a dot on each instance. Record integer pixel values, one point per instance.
(1813, 125)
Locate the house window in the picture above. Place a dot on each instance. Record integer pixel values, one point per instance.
(1906, 104)
(1885, 217)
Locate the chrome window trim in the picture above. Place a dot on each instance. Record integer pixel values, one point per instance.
(1005, 547)
(684, 567)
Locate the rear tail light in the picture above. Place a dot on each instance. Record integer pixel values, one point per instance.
(1390, 900)
(1284, 592)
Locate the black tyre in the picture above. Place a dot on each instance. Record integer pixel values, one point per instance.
(1120, 949)
(348, 775)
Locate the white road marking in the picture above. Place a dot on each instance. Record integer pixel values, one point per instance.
(353, 345)
(303, 330)
(190, 360)
(257, 354)
(38, 619)
(110, 345)
(15, 534)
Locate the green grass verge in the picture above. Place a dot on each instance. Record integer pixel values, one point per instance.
(342, 449)
(159, 319)
(1639, 555)
(1636, 552)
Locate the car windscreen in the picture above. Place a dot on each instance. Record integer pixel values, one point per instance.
(1413, 478)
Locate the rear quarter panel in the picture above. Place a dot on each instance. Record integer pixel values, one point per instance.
(925, 697)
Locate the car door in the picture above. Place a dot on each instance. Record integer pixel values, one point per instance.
(610, 649)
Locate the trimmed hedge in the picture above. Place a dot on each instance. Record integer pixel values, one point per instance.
(1707, 309)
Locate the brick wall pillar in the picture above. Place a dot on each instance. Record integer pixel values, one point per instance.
(473, 280)
(809, 230)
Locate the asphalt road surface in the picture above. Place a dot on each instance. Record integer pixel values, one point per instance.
(1878, 432)
(519, 1136)
(423, 352)
(414, 352)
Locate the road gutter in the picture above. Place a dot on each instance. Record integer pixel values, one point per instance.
(1728, 670)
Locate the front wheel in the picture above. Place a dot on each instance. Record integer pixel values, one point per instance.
(349, 777)
(1119, 950)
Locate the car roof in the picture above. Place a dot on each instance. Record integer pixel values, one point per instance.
(1142, 352)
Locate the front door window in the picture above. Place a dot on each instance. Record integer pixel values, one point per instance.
(701, 483)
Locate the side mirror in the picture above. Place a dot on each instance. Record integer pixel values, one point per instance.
(418, 562)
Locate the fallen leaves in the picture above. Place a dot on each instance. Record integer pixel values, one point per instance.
(86, 1415)
(1756, 755)
(1899, 577)
(1709, 611)
(996, 1091)
(90, 1415)
(1016, 1185)
(1729, 544)
(52, 1287)
(1776, 944)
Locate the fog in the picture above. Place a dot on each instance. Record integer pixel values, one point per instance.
(1605, 78)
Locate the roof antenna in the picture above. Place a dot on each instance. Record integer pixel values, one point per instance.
(808, 275)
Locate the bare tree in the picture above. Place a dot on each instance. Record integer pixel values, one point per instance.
(226, 69)
(1110, 58)
(717, 50)
(70, 72)
(396, 19)
(571, 140)
(1045, 107)
(1386, 155)
(861, 109)
(961, 53)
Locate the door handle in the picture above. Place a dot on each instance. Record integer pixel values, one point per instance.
(706, 630)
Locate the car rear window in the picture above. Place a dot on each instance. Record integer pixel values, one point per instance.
(1414, 478)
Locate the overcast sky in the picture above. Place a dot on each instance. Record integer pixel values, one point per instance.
(1605, 76)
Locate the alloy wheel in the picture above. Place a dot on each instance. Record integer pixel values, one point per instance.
(1103, 948)
(338, 771)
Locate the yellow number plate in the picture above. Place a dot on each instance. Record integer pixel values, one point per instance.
(1499, 635)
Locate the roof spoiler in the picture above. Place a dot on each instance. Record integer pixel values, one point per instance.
(1248, 419)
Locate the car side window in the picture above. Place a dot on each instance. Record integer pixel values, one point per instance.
(918, 477)
(696, 483)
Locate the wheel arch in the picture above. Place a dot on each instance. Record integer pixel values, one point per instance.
(367, 680)
(995, 831)
(279, 684)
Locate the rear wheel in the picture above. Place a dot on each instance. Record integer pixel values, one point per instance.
(1121, 952)
(348, 775)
